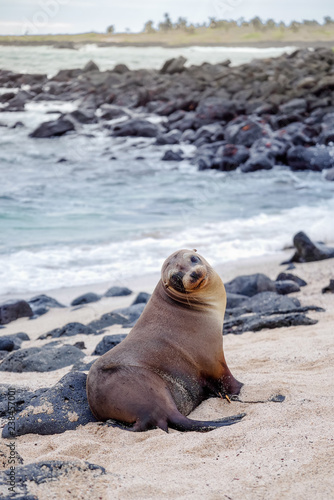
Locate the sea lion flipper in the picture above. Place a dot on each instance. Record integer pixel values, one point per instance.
(184, 424)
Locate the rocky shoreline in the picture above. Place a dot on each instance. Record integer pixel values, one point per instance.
(257, 116)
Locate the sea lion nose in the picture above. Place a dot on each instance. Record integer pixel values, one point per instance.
(195, 276)
(177, 276)
(176, 281)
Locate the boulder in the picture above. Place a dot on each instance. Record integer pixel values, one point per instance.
(235, 300)
(118, 291)
(42, 303)
(313, 158)
(54, 128)
(212, 109)
(258, 161)
(110, 112)
(267, 303)
(6, 344)
(142, 298)
(172, 137)
(86, 298)
(172, 66)
(132, 314)
(291, 277)
(69, 330)
(41, 359)
(107, 343)
(246, 130)
(136, 128)
(307, 251)
(285, 287)
(22, 398)
(83, 116)
(171, 155)
(90, 66)
(250, 285)
(258, 323)
(60, 408)
(13, 310)
(230, 156)
(108, 319)
(13, 341)
(121, 69)
(297, 105)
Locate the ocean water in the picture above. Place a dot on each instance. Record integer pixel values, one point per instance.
(49, 60)
(113, 210)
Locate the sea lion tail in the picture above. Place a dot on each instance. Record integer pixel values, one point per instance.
(184, 424)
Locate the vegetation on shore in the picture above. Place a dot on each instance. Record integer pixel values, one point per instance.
(181, 33)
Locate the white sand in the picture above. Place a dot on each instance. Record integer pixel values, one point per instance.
(278, 451)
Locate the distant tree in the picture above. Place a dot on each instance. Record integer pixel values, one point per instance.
(270, 24)
(148, 27)
(181, 23)
(190, 29)
(294, 26)
(167, 24)
(212, 22)
(111, 29)
(328, 20)
(256, 23)
(282, 25)
(310, 23)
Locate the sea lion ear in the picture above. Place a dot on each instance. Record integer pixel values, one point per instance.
(194, 250)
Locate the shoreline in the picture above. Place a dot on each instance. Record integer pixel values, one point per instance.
(259, 45)
(147, 282)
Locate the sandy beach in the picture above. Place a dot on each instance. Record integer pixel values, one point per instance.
(278, 451)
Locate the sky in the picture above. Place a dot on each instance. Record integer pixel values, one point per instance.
(18, 17)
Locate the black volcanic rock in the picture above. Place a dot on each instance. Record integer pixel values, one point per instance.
(41, 359)
(87, 298)
(107, 343)
(118, 291)
(61, 408)
(142, 298)
(313, 158)
(258, 322)
(291, 277)
(69, 330)
(250, 285)
(13, 310)
(308, 251)
(15, 340)
(109, 319)
(42, 303)
(136, 128)
(54, 128)
(284, 287)
(20, 397)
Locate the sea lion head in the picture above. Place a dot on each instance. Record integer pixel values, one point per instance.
(186, 272)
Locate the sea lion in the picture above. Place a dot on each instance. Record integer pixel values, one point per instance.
(173, 357)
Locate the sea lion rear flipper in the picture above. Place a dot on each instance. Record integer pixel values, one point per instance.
(184, 424)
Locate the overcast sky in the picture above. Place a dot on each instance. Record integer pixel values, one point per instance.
(77, 16)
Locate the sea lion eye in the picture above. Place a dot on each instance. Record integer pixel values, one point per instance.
(195, 259)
